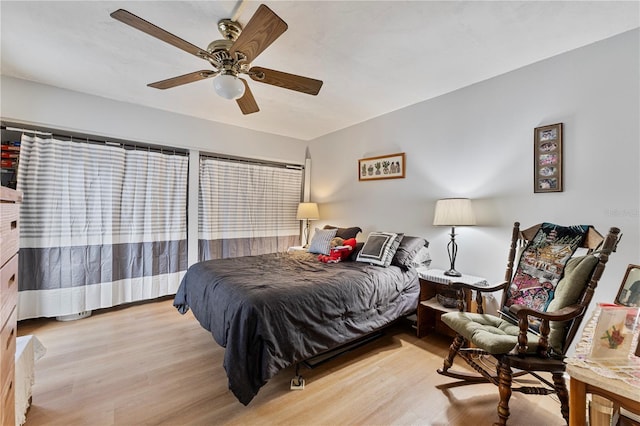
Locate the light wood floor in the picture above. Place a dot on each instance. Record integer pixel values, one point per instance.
(147, 364)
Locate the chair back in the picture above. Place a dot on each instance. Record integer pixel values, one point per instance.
(575, 287)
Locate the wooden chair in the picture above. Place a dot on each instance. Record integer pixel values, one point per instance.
(527, 338)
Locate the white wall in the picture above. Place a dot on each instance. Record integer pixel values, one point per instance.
(38, 104)
(477, 142)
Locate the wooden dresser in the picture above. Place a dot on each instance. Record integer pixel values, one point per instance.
(9, 241)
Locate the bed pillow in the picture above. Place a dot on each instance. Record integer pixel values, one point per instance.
(422, 258)
(356, 252)
(345, 233)
(321, 241)
(379, 248)
(407, 250)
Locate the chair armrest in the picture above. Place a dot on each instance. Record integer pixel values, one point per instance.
(523, 313)
(564, 314)
(460, 287)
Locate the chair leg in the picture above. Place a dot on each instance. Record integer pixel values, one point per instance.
(563, 395)
(453, 351)
(504, 388)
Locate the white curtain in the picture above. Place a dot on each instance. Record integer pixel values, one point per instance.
(101, 225)
(246, 209)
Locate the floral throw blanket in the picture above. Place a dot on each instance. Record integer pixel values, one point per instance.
(542, 265)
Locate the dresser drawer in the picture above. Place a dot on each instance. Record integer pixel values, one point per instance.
(7, 403)
(8, 344)
(9, 230)
(8, 288)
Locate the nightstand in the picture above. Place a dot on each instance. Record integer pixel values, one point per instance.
(434, 282)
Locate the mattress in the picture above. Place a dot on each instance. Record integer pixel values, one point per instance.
(274, 310)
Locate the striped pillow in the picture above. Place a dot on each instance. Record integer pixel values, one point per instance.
(380, 248)
(321, 241)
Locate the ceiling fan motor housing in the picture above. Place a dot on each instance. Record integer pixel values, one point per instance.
(229, 29)
(219, 53)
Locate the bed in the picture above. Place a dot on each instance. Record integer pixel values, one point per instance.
(275, 310)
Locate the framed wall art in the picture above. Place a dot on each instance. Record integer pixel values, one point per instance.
(629, 293)
(547, 158)
(382, 167)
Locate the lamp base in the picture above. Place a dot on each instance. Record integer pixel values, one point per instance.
(452, 249)
(305, 233)
(452, 273)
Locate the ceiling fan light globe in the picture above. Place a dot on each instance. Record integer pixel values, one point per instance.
(228, 86)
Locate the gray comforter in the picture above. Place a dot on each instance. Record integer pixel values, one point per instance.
(274, 310)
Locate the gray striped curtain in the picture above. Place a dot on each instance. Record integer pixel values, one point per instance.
(247, 209)
(100, 226)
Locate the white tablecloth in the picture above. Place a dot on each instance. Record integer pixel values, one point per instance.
(438, 276)
(28, 350)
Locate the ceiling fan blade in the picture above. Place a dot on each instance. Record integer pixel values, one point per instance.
(157, 32)
(183, 79)
(263, 28)
(247, 102)
(298, 83)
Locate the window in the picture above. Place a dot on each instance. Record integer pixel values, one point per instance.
(247, 208)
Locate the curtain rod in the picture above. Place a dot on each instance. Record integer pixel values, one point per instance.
(149, 147)
(233, 159)
(37, 132)
(82, 138)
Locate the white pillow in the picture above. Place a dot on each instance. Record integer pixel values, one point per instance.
(321, 241)
(379, 248)
(422, 258)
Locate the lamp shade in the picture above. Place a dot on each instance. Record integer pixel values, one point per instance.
(308, 211)
(454, 212)
(228, 86)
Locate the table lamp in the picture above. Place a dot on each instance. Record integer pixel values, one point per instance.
(307, 212)
(453, 212)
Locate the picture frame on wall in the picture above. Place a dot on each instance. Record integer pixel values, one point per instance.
(629, 293)
(383, 167)
(547, 156)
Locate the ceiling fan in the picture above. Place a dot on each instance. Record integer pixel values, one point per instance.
(230, 57)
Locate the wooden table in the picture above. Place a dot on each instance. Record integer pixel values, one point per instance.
(585, 380)
(434, 282)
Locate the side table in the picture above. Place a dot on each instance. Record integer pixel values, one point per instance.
(434, 283)
(585, 380)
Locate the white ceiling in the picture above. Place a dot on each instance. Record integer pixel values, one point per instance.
(373, 56)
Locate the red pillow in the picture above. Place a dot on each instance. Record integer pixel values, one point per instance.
(339, 253)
